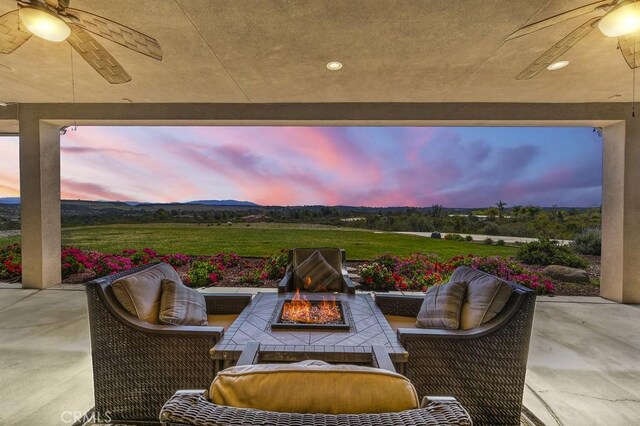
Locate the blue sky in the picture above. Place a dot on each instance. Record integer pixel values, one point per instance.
(372, 166)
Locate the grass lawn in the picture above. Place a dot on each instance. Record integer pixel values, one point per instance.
(5, 241)
(260, 240)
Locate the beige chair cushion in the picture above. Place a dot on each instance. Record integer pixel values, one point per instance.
(397, 321)
(441, 306)
(316, 274)
(313, 387)
(486, 296)
(181, 305)
(224, 321)
(140, 293)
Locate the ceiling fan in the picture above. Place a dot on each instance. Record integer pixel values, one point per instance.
(54, 20)
(621, 19)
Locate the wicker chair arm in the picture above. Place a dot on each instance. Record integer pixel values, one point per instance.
(500, 321)
(349, 287)
(191, 408)
(399, 304)
(286, 284)
(224, 303)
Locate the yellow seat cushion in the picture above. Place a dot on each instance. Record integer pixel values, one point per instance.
(222, 320)
(397, 321)
(313, 387)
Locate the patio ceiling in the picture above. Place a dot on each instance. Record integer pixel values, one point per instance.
(276, 51)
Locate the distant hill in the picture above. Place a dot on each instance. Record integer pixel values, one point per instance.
(223, 203)
(9, 200)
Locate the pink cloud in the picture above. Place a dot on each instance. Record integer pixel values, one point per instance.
(71, 189)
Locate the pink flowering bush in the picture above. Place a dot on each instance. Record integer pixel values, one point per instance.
(176, 260)
(419, 272)
(378, 277)
(73, 261)
(275, 266)
(109, 264)
(10, 262)
(203, 273)
(272, 268)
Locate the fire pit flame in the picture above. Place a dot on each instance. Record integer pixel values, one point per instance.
(300, 310)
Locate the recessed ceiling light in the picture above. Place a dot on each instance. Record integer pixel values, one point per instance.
(557, 65)
(334, 66)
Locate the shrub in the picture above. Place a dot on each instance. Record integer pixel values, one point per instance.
(10, 262)
(500, 243)
(229, 260)
(468, 238)
(546, 252)
(73, 261)
(587, 242)
(176, 260)
(387, 261)
(420, 271)
(203, 273)
(109, 264)
(252, 276)
(275, 266)
(454, 237)
(488, 241)
(142, 257)
(376, 277)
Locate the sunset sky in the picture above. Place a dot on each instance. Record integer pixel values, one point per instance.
(370, 166)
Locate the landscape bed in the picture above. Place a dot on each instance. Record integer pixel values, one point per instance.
(415, 272)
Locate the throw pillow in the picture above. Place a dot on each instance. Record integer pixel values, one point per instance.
(139, 293)
(181, 305)
(441, 306)
(316, 274)
(486, 296)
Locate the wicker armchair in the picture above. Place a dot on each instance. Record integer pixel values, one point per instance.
(335, 256)
(192, 407)
(484, 368)
(137, 366)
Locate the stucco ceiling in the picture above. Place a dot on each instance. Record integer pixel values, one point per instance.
(276, 51)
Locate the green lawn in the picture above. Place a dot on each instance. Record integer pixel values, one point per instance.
(260, 240)
(9, 240)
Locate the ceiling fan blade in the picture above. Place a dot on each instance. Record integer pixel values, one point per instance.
(97, 56)
(11, 36)
(565, 16)
(116, 32)
(629, 48)
(557, 50)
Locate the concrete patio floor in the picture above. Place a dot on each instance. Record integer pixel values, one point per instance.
(584, 367)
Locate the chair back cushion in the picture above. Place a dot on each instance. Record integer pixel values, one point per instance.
(486, 296)
(181, 305)
(313, 387)
(140, 292)
(317, 269)
(442, 305)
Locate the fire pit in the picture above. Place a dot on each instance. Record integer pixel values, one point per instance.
(302, 313)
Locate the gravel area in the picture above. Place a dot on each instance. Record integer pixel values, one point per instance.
(11, 233)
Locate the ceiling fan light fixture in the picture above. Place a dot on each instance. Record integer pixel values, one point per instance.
(623, 19)
(44, 24)
(557, 65)
(334, 66)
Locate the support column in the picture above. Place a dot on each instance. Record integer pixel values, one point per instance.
(40, 203)
(620, 272)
